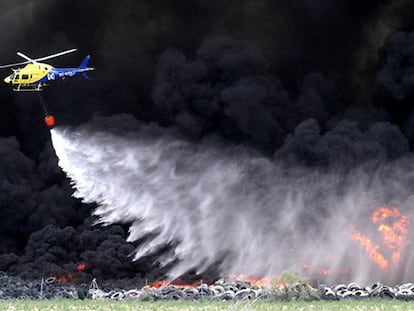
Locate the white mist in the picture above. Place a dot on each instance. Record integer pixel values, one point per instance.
(226, 205)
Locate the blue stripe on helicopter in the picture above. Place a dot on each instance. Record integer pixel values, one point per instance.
(61, 73)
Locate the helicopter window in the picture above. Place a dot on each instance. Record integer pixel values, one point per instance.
(17, 77)
(25, 77)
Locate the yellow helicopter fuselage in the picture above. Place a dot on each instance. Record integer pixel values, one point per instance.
(29, 74)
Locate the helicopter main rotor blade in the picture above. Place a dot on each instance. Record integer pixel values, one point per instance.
(55, 55)
(26, 57)
(30, 60)
(13, 65)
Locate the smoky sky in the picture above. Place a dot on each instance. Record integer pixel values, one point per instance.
(315, 83)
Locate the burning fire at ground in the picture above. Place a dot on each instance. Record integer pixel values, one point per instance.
(266, 281)
(385, 251)
(175, 283)
(67, 278)
(277, 281)
(393, 228)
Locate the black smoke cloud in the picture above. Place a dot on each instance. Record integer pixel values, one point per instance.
(275, 75)
(46, 232)
(395, 80)
(228, 89)
(345, 146)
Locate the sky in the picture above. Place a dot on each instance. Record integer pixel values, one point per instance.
(317, 85)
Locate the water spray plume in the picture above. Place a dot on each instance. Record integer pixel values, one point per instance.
(207, 204)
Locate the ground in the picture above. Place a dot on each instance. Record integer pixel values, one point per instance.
(84, 305)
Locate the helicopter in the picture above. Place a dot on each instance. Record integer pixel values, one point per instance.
(36, 75)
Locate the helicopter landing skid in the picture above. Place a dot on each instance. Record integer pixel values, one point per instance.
(28, 88)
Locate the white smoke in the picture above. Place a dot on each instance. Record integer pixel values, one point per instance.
(223, 206)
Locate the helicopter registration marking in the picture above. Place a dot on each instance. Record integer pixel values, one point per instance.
(67, 73)
(51, 76)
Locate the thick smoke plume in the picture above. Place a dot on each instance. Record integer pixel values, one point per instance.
(278, 77)
(229, 206)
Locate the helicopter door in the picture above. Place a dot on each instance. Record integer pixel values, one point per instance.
(16, 78)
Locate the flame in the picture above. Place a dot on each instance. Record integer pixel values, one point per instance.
(394, 234)
(69, 277)
(64, 278)
(82, 267)
(324, 272)
(393, 226)
(158, 284)
(175, 283)
(262, 282)
(277, 281)
(372, 250)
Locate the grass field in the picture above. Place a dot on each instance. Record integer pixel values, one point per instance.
(75, 305)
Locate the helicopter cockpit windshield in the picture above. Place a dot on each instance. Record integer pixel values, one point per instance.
(15, 75)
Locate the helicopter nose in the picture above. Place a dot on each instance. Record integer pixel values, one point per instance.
(7, 80)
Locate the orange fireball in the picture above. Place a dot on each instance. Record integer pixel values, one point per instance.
(393, 226)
